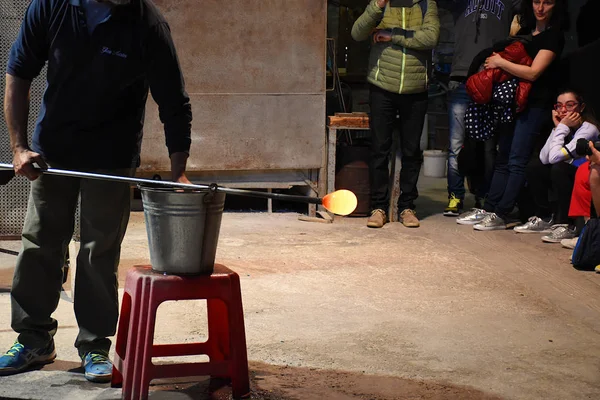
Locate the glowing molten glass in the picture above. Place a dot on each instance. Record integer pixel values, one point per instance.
(340, 202)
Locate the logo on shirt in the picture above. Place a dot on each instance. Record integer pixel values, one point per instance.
(495, 7)
(116, 53)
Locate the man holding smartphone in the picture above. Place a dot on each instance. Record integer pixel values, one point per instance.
(403, 32)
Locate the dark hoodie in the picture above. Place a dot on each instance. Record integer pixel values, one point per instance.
(92, 113)
(478, 25)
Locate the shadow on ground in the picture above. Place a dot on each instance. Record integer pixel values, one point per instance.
(270, 382)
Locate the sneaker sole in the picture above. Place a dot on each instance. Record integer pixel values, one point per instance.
(98, 378)
(374, 226)
(411, 225)
(468, 222)
(26, 367)
(548, 240)
(491, 228)
(525, 232)
(451, 213)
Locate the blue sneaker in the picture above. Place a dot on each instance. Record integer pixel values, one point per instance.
(98, 367)
(20, 358)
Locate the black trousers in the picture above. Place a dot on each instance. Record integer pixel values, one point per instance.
(551, 186)
(411, 108)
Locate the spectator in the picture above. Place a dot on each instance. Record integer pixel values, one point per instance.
(403, 37)
(551, 176)
(477, 27)
(580, 209)
(595, 176)
(542, 20)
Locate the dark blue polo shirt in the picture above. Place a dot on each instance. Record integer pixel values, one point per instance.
(92, 111)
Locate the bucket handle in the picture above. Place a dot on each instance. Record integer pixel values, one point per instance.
(212, 189)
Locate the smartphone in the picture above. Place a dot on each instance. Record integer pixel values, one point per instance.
(401, 3)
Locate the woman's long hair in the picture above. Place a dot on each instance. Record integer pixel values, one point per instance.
(587, 114)
(558, 20)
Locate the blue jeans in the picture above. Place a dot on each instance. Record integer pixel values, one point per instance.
(457, 107)
(514, 151)
(458, 102)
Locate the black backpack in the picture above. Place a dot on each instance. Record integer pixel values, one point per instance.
(586, 255)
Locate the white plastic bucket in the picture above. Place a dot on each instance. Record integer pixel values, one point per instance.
(434, 163)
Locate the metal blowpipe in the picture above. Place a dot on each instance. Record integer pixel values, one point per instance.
(329, 201)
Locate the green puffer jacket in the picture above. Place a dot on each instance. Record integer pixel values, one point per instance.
(400, 66)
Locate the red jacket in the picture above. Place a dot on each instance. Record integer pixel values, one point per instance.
(480, 85)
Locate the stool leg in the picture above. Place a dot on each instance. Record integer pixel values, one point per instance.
(240, 380)
(137, 347)
(121, 342)
(218, 330)
(130, 361)
(148, 343)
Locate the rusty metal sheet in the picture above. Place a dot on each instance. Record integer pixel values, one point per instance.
(255, 72)
(249, 46)
(245, 132)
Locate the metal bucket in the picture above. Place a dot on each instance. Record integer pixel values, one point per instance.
(183, 229)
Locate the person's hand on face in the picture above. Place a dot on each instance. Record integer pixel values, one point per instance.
(556, 118)
(568, 109)
(572, 120)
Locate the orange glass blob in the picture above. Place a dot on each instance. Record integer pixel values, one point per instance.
(340, 202)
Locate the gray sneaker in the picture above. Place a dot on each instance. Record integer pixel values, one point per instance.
(534, 225)
(472, 217)
(559, 232)
(491, 222)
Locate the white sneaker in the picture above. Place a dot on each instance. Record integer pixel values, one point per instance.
(569, 243)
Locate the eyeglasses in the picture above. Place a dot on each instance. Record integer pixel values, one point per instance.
(569, 105)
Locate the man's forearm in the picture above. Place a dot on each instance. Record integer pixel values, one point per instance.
(178, 164)
(16, 111)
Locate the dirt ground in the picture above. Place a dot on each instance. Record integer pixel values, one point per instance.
(340, 311)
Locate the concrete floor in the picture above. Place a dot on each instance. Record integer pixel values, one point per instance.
(502, 313)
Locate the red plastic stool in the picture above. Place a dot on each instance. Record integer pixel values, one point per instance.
(145, 290)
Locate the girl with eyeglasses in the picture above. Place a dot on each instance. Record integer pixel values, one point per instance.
(550, 178)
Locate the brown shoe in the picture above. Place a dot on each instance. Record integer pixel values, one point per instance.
(377, 219)
(409, 218)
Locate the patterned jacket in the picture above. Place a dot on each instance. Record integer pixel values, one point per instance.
(481, 85)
